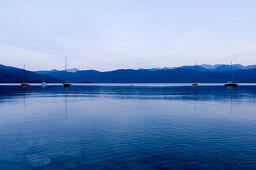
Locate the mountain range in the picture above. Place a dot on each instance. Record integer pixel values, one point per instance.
(15, 75)
(219, 73)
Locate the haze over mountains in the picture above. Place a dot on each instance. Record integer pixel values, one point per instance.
(185, 74)
(203, 67)
(217, 67)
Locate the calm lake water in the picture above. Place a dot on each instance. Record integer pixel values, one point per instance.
(115, 126)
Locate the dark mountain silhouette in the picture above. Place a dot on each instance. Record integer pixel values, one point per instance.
(15, 75)
(176, 75)
(184, 74)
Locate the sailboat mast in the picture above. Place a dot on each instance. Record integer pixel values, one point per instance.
(195, 73)
(66, 68)
(232, 71)
(66, 84)
(23, 73)
(65, 63)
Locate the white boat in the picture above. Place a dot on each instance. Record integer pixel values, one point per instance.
(43, 84)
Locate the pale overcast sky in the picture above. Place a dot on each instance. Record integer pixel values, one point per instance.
(113, 34)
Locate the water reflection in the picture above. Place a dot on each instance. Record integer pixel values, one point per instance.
(231, 100)
(66, 108)
(176, 93)
(24, 98)
(118, 127)
(195, 95)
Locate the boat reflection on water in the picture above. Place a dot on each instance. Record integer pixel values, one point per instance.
(195, 96)
(66, 107)
(231, 90)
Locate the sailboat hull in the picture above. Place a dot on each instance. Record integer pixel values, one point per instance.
(24, 84)
(231, 84)
(66, 85)
(43, 84)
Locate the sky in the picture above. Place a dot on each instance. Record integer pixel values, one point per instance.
(114, 34)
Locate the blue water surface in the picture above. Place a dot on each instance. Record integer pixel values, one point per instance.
(123, 127)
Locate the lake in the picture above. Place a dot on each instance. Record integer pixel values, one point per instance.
(115, 126)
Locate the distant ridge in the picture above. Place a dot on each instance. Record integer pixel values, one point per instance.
(14, 75)
(220, 67)
(184, 74)
(207, 67)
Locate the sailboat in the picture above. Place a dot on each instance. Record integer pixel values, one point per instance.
(43, 83)
(231, 83)
(66, 84)
(23, 84)
(195, 84)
